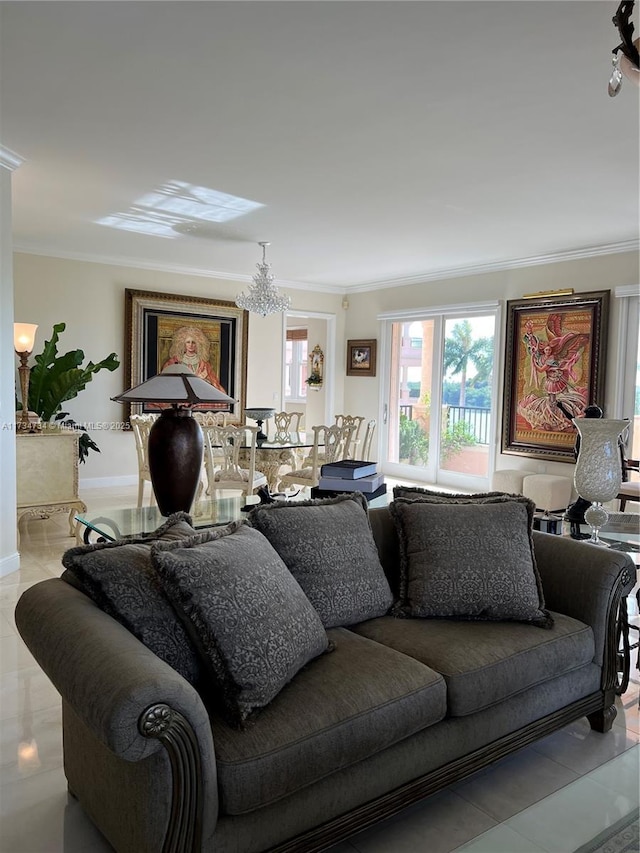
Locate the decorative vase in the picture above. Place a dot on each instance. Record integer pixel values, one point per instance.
(598, 473)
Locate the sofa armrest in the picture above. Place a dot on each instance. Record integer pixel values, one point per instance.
(586, 582)
(130, 700)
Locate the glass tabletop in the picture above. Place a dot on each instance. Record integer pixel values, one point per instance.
(113, 524)
(621, 532)
(280, 441)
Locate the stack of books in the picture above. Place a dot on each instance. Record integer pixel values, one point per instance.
(350, 475)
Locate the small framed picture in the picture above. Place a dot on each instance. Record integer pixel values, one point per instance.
(361, 358)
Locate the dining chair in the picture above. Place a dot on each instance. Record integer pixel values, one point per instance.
(367, 441)
(328, 446)
(356, 421)
(210, 460)
(141, 427)
(630, 489)
(286, 423)
(229, 443)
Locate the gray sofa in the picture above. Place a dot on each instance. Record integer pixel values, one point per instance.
(398, 710)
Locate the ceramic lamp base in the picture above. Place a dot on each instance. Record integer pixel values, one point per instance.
(175, 459)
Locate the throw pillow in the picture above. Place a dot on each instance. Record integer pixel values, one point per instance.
(469, 560)
(418, 493)
(328, 546)
(244, 610)
(119, 577)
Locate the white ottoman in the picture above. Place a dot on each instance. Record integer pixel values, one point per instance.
(549, 492)
(509, 480)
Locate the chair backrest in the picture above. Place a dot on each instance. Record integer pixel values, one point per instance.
(334, 440)
(351, 420)
(286, 423)
(207, 419)
(356, 421)
(141, 427)
(629, 466)
(365, 452)
(225, 443)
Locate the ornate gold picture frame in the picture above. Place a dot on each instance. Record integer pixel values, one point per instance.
(210, 336)
(554, 369)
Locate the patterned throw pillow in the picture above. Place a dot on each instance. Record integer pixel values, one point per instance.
(119, 577)
(419, 493)
(328, 546)
(244, 610)
(469, 560)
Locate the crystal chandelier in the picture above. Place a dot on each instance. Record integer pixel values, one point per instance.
(263, 296)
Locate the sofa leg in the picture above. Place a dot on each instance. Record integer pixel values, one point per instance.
(602, 720)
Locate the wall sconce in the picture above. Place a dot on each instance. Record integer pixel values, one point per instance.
(24, 335)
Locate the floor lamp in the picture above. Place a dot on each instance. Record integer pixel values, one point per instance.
(175, 439)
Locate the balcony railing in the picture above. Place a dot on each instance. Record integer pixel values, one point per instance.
(478, 420)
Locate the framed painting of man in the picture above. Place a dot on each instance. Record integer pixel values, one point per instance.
(208, 336)
(554, 369)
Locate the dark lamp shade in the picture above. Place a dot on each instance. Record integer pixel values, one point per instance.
(175, 384)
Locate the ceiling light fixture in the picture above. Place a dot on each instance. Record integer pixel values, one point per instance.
(625, 57)
(263, 296)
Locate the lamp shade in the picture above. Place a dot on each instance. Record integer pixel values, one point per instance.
(24, 336)
(175, 441)
(175, 384)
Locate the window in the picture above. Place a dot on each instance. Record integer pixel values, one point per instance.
(296, 365)
(441, 402)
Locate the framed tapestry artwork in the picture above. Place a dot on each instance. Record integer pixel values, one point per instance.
(554, 369)
(209, 336)
(361, 358)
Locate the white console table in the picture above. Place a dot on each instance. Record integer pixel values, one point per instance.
(47, 475)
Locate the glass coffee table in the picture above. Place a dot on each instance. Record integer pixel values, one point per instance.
(109, 525)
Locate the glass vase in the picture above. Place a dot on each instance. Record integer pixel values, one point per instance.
(598, 472)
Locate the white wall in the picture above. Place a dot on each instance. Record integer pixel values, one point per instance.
(9, 559)
(89, 298)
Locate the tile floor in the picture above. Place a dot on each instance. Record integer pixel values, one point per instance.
(553, 796)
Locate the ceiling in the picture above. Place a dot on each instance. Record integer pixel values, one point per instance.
(386, 142)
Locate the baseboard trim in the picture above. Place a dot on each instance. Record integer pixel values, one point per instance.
(9, 564)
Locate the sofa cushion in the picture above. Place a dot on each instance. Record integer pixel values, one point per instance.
(468, 560)
(349, 705)
(484, 663)
(119, 577)
(244, 610)
(328, 546)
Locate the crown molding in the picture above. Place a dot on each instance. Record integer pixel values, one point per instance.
(499, 266)
(381, 284)
(182, 269)
(9, 159)
(626, 290)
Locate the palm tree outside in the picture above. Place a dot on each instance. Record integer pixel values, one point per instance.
(462, 350)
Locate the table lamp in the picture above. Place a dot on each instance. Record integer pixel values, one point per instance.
(175, 440)
(24, 335)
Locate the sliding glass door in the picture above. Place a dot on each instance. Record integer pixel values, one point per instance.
(439, 412)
